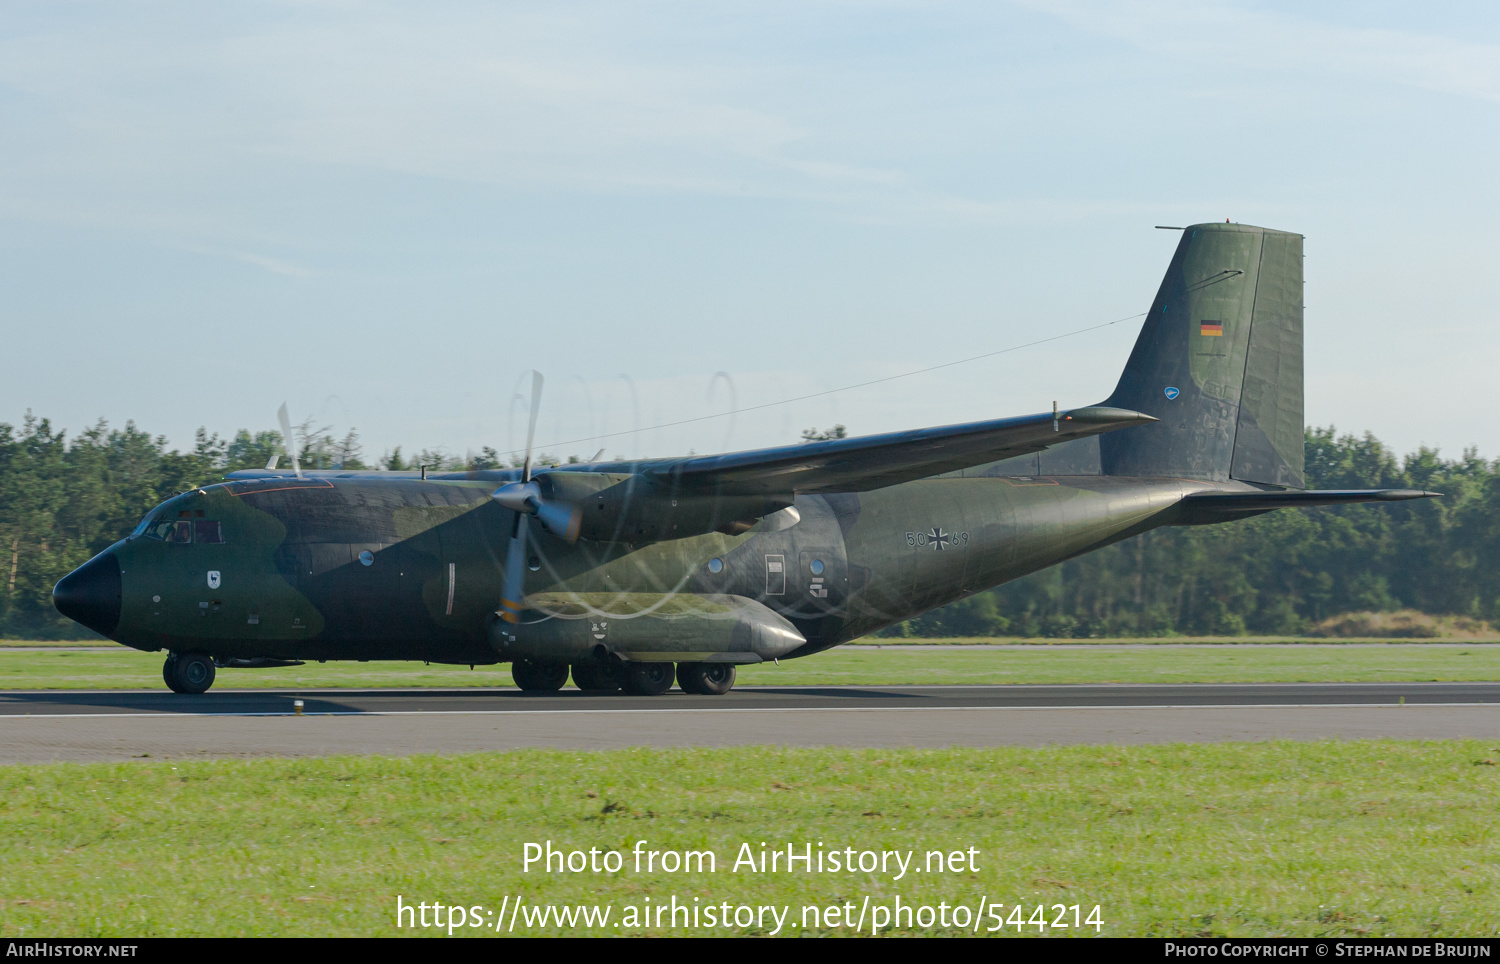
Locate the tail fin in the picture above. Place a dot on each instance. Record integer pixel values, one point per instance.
(1219, 361)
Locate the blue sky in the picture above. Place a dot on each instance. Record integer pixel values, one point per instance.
(385, 214)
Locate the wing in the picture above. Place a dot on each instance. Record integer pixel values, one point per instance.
(875, 461)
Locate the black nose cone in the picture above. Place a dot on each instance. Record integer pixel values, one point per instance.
(90, 594)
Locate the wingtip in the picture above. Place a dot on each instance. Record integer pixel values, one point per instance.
(1403, 495)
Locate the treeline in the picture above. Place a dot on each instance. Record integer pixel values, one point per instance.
(63, 499)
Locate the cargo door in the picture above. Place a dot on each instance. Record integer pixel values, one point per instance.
(325, 580)
(776, 575)
(372, 585)
(474, 545)
(423, 584)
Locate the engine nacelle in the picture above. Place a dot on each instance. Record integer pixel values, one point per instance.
(631, 508)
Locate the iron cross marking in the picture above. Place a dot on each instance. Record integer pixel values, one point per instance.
(938, 539)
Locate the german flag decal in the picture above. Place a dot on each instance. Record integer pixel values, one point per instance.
(1211, 329)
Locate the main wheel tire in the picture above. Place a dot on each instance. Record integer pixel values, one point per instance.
(648, 679)
(190, 673)
(706, 679)
(537, 677)
(599, 675)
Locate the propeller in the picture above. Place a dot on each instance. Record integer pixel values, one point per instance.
(525, 499)
(287, 442)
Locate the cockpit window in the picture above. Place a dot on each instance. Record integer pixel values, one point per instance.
(178, 532)
(182, 532)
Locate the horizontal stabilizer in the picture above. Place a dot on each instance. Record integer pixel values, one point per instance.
(876, 461)
(1208, 508)
(1235, 501)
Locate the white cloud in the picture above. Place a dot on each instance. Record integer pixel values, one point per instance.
(273, 265)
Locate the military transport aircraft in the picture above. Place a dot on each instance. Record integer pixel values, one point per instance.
(632, 574)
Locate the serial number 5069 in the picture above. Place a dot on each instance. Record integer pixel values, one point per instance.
(1057, 917)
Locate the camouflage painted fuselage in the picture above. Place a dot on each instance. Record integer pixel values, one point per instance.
(290, 582)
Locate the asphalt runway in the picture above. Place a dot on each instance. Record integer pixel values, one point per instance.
(123, 725)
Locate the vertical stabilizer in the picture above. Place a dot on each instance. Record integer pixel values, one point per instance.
(1219, 361)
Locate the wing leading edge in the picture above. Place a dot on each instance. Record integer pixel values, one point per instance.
(876, 461)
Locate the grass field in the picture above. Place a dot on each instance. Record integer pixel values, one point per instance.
(879, 641)
(1263, 839)
(121, 668)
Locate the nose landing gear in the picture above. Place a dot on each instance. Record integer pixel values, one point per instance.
(190, 673)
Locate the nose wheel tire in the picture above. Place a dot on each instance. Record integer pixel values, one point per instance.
(648, 679)
(705, 679)
(190, 673)
(535, 677)
(599, 675)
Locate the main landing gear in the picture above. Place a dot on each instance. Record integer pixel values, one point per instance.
(538, 677)
(191, 673)
(648, 679)
(610, 675)
(705, 679)
(599, 675)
